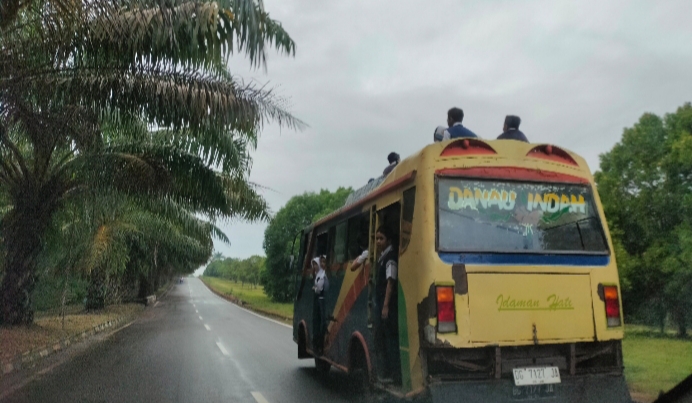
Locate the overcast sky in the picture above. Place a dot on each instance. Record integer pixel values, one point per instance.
(374, 76)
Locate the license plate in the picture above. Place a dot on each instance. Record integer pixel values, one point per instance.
(536, 376)
(534, 392)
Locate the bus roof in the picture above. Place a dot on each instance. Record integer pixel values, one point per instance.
(467, 153)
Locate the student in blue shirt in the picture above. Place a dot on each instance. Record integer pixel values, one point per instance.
(456, 130)
(510, 130)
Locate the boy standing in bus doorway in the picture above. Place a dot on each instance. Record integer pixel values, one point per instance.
(387, 303)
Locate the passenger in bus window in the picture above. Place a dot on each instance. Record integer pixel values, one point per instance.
(360, 260)
(323, 268)
(386, 301)
(393, 159)
(456, 130)
(510, 130)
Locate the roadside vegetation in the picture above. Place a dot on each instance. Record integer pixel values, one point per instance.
(645, 184)
(253, 296)
(280, 237)
(244, 271)
(51, 327)
(123, 139)
(654, 362)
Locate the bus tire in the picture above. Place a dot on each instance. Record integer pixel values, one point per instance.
(302, 343)
(322, 366)
(358, 373)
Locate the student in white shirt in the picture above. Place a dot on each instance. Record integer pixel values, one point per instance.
(321, 285)
(387, 303)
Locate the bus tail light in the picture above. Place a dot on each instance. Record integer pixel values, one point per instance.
(612, 305)
(446, 316)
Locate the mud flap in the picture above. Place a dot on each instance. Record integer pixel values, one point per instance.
(582, 389)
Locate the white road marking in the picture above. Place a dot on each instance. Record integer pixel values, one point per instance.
(200, 318)
(196, 311)
(258, 396)
(222, 348)
(207, 327)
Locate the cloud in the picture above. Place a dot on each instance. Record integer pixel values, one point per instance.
(371, 77)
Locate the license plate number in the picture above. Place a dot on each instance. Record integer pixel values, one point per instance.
(536, 376)
(533, 392)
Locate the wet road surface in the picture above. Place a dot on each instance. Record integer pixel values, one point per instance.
(193, 346)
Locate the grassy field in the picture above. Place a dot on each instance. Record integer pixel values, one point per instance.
(653, 364)
(255, 297)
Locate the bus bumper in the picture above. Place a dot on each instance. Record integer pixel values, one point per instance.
(578, 389)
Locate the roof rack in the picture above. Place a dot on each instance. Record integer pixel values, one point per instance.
(360, 193)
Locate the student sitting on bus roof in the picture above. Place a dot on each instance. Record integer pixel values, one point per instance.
(393, 159)
(439, 133)
(456, 130)
(510, 130)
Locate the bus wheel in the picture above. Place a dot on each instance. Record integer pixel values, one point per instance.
(302, 344)
(322, 366)
(358, 374)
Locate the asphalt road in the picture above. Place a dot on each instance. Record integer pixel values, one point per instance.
(192, 347)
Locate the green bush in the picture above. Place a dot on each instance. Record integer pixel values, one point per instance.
(49, 290)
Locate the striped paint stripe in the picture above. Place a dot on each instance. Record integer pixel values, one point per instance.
(360, 283)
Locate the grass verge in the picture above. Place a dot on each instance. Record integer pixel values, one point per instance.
(654, 364)
(255, 298)
(48, 329)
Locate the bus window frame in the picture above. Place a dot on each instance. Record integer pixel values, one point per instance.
(606, 252)
(361, 216)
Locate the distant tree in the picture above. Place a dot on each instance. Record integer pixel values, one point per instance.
(283, 228)
(645, 184)
(217, 256)
(238, 270)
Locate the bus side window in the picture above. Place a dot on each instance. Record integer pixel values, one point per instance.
(358, 227)
(390, 217)
(322, 244)
(337, 253)
(300, 262)
(407, 218)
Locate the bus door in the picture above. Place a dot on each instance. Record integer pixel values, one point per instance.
(303, 303)
(386, 336)
(317, 318)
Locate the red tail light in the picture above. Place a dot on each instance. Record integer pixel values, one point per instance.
(612, 305)
(446, 316)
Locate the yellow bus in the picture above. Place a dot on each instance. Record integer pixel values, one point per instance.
(507, 282)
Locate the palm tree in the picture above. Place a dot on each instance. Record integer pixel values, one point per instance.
(125, 247)
(127, 96)
(217, 256)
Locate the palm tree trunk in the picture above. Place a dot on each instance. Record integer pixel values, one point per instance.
(34, 203)
(22, 237)
(96, 292)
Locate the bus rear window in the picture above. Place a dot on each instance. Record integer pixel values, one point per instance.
(515, 217)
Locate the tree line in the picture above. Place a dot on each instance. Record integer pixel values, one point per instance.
(281, 241)
(645, 184)
(123, 139)
(244, 271)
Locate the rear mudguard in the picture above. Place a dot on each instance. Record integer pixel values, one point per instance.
(578, 389)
